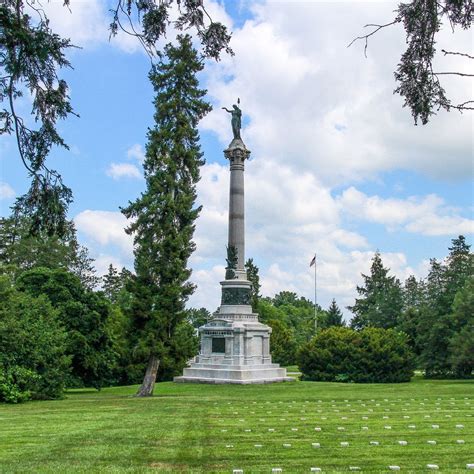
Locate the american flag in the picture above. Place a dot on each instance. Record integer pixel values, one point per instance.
(313, 261)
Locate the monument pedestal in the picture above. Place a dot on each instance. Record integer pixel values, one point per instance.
(235, 346)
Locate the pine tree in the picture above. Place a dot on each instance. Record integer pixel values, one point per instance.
(334, 315)
(462, 343)
(459, 267)
(381, 302)
(437, 325)
(414, 311)
(253, 277)
(163, 216)
(114, 283)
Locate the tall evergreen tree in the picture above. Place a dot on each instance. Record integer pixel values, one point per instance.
(334, 315)
(462, 343)
(381, 301)
(163, 216)
(459, 267)
(438, 326)
(254, 278)
(113, 282)
(414, 311)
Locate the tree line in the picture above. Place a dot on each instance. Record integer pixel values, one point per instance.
(63, 326)
(432, 318)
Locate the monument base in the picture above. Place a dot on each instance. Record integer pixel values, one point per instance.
(235, 348)
(243, 375)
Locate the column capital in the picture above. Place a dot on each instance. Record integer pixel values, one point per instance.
(237, 152)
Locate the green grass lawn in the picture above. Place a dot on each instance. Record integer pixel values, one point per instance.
(219, 428)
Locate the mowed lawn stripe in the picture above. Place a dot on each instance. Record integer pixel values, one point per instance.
(206, 428)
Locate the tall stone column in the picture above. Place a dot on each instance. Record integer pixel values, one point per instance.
(237, 153)
(246, 358)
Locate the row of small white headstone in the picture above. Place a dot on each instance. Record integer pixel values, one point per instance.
(352, 468)
(345, 444)
(342, 428)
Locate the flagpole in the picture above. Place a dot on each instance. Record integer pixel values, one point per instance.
(315, 296)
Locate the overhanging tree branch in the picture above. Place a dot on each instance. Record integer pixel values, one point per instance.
(154, 20)
(368, 35)
(416, 82)
(453, 74)
(30, 56)
(457, 54)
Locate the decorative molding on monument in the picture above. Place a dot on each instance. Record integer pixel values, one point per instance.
(236, 296)
(217, 332)
(237, 152)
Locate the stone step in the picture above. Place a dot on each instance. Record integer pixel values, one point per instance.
(212, 380)
(232, 374)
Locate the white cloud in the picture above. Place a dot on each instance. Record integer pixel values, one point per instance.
(289, 216)
(426, 215)
(136, 152)
(105, 228)
(86, 22)
(315, 105)
(207, 294)
(102, 262)
(6, 191)
(123, 170)
(441, 225)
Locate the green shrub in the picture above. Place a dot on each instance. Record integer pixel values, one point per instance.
(32, 347)
(85, 316)
(15, 383)
(341, 354)
(282, 343)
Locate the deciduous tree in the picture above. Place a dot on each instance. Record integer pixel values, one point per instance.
(84, 314)
(33, 360)
(20, 251)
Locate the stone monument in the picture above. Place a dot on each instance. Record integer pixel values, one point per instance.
(235, 346)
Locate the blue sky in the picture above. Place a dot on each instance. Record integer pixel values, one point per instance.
(337, 166)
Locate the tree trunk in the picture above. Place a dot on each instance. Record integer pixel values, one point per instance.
(148, 384)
